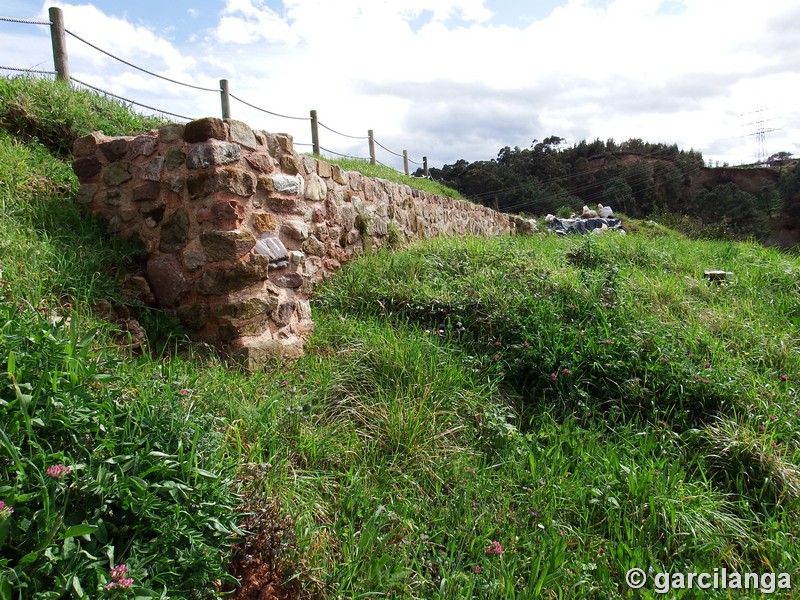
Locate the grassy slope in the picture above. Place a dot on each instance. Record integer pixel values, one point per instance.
(590, 404)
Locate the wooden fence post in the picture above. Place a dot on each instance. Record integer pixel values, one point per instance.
(59, 39)
(425, 166)
(405, 161)
(225, 97)
(315, 133)
(371, 136)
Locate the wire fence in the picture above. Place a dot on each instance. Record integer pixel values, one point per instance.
(59, 32)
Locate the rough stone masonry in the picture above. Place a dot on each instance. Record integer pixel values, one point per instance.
(238, 228)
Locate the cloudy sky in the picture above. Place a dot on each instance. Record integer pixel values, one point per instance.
(449, 79)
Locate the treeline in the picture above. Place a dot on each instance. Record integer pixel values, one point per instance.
(636, 178)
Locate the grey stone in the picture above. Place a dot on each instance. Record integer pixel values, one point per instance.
(86, 167)
(229, 330)
(116, 174)
(227, 245)
(86, 193)
(151, 170)
(283, 314)
(272, 248)
(174, 159)
(193, 316)
(236, 277)
(316, 190)
(303, 309)
(288, 280)
(114, 149)
(113, 198)
(175, 232)
(166, 278)
(314, 247)
(296, 259)
(87, 145)
(378, 227)
(287, 184)
(310, 164)
(267, 352)
(296, 230)
(150, 190)
(194, 259)
(278, 265)
(241, 134)
(171, 133)
(206, 154)
(136, 288)
(152, 212)
(247, 309)
(143, 145)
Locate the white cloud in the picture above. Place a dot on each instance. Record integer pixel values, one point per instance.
(443, 79)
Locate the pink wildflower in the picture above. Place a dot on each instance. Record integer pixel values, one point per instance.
(120, 579)
(566, 371)
(119, 572)
(5, 510)
(477, 569)
(183, 391)
(784, 377)
(121, 584)
(58, 471)
(553, 376)
(494, 548)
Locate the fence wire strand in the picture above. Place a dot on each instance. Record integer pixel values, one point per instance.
(268, 111)
(25, 21)
(188, 85)
(125, 62)
(343, 155)
(389, 151)
(353, 137)
(37, 71)
(97, 89)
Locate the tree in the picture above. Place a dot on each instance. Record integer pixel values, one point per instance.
(779, 158)
(619, 195)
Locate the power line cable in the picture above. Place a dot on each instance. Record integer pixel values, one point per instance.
(189, 85)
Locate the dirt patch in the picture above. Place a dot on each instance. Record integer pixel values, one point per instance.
(261, 560)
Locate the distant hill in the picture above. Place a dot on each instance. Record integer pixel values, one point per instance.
(641, 180)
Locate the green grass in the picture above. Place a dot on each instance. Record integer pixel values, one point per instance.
(590, 404)
(379, 171)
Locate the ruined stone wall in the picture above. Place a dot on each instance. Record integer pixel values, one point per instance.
(238, 228)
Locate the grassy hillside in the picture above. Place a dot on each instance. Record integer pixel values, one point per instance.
(504, 418)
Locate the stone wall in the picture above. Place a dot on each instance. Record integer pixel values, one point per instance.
(238, 228)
